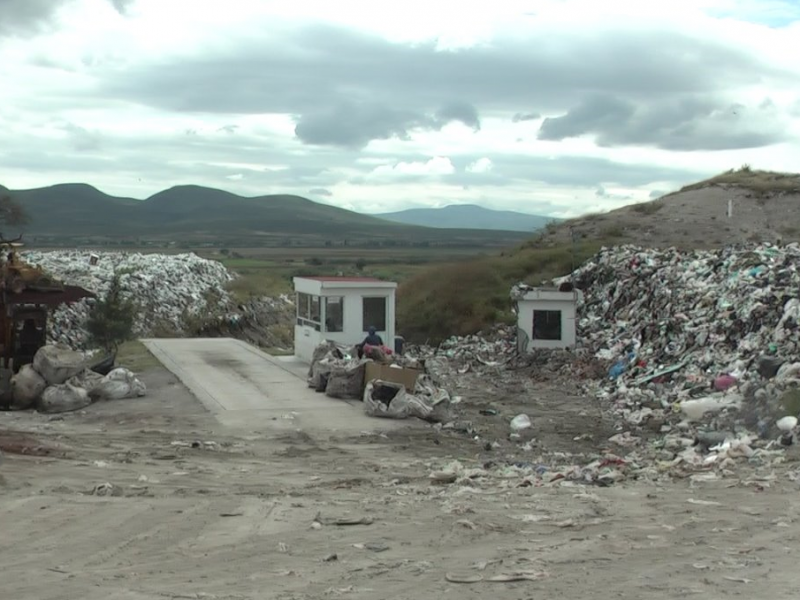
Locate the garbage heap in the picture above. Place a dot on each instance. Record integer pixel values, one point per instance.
(60, 380)
(491, 348)
(701, 346)
(170, 289)
(391, 386)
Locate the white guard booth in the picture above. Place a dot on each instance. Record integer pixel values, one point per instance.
(342, 309)
(546, 318)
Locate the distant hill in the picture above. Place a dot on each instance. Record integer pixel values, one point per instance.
(199, 214)
(765, 208)
(469, 216)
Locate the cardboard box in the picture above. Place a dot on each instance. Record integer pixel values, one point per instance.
(401, 375)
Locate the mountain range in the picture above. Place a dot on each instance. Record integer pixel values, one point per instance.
(70, 212)
(469, 216)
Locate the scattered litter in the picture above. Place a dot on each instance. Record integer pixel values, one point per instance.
(104, 489)
(344, 521)
(520, 422)
(738, 579)
(703, 502)
(502, 578)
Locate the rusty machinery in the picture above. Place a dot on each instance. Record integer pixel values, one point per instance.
(27, 294)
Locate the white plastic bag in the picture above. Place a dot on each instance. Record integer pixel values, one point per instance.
(391, 401)
(58, 363)
(118, 384)
(63, 398)
(27, 387)
(520, 422)
(87, 380)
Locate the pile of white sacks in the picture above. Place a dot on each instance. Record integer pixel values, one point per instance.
(168, 288)
(59, 381)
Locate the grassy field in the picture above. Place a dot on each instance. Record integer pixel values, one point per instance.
(136, 357)
(269, 272)
(461, 298)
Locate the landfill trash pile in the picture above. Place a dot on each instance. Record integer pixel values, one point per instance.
(694, 354)
(701, 349)
(679, 325)
(168, 288)
(59, 380)
(493, 348)
(336, 371)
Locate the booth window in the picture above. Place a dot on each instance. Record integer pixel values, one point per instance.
(374, 314)
(547, 325)
(308, 311)
(334, 314)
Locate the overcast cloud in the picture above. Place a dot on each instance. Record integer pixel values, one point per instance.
(556, 106)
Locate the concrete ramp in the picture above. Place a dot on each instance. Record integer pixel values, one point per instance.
(247, 388)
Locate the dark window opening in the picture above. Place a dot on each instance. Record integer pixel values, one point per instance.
(374, 314)
(334, 314)
(547, 325)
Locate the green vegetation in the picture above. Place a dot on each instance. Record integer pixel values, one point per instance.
(11, 212)
(111, 320)
(466, 297)
(269, 271)
(135, 356)
(761, 183)
(648, 208)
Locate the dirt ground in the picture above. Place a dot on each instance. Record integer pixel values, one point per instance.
(150, 498)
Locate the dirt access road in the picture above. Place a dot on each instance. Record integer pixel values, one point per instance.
(156, 498)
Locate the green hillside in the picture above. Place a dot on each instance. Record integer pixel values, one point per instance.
(80, 213)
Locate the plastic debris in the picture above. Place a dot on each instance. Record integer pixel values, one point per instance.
(520, 422)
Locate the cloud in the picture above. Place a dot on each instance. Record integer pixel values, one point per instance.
(355, 125)
(581, 171)
(81, 138)
(529, 116)
(602, 192)
(691, 123)
(459, 111)
(482, 165)
(122, 5)
(438, 165)
(270, 99)
(20, 18)
(347, 88)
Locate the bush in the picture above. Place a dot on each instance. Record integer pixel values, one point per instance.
(648, 208)
(111, 320)
(467, 297)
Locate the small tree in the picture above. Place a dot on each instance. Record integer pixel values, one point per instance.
(11, 211)
(112, 318)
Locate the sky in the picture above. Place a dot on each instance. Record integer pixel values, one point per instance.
(555, 107)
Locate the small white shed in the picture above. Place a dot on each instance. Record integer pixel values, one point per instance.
(546, 318)
(342, 309)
